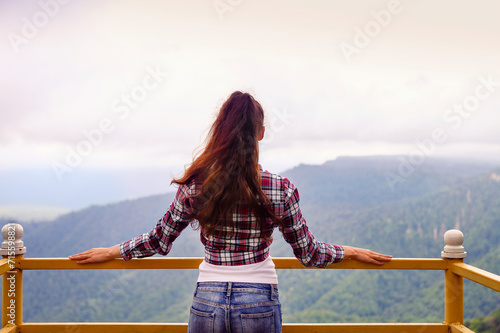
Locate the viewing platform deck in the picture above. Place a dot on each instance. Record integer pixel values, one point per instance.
(13, 264)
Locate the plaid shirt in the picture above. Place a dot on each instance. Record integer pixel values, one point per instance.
(242, 244)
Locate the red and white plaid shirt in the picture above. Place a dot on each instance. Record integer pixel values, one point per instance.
(242, 244)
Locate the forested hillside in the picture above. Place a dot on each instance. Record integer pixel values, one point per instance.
(346, 201)
(488, 324)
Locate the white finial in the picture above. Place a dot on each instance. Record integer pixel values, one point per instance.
(12, 244)
(453, 249)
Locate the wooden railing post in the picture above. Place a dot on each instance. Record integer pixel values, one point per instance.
(12, 299)
(453, 284)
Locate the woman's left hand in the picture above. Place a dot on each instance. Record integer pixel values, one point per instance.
(100, 254)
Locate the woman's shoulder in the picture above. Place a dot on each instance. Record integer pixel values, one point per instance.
(190, 188)
(273, 181)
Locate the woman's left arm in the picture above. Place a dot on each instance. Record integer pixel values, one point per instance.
(100, 254)
(158, 241)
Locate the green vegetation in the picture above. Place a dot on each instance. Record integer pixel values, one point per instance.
(489, 324)
(347, 201)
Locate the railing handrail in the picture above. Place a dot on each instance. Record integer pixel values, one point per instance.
(477, 275)
(452, 264)
(470, 272)
(193, 263)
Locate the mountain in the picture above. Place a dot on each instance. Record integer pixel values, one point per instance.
(31, 213)
(489, 324)
(414, 227)
(347, 201)
(356, 182)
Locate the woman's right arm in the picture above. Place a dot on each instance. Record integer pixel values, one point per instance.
(310, 251)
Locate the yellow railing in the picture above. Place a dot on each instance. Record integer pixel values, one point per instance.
(13, 264)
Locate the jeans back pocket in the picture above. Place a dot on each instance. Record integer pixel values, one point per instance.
(200, 322)
(258, 322)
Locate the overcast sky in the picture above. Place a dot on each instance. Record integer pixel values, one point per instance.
(100, 86)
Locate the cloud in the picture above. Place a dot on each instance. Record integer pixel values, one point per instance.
(65, 80)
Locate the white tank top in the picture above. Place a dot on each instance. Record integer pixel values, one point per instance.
(261, 272)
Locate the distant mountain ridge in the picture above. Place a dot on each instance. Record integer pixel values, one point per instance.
(31, 213)
(346, 201)
(342, 179)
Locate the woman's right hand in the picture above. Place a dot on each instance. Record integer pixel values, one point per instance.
(365, 255)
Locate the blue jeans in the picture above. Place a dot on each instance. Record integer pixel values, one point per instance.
(235, 307)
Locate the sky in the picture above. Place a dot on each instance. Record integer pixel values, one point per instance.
(103, 101)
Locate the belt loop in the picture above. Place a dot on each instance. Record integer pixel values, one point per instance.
(229, 285)
(272, 292)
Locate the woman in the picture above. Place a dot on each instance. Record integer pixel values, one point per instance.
(236, 206)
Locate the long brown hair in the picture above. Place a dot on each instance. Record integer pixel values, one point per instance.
(228, 168)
